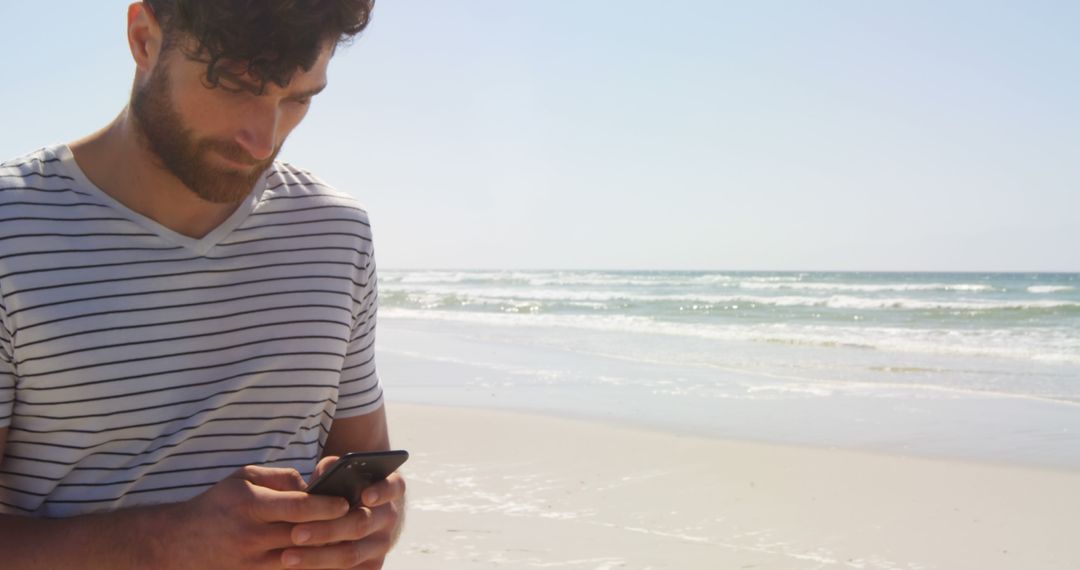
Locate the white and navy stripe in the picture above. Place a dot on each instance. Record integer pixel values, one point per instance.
(138, 365)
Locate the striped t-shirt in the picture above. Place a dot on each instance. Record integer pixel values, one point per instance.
(139, 365)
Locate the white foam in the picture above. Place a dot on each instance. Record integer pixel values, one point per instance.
(1048, 345)
(716, 278)
(527, 496)
(646, 279)
(507, 294)
(867, 288)
(851, 302)
(610, 280)
(1049, 288)
(821, 388)
(451, 276)
(801, 389)
(578, 278)
(428, 296)
(550, 278)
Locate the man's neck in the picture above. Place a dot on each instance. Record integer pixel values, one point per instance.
(117, 163)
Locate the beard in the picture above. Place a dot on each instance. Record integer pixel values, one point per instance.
(186, 156)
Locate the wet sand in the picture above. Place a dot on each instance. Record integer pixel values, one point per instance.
(495, 489)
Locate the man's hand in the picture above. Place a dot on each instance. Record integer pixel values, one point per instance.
(246, 520)
(360, 539)
(255, 519)
(259, 518)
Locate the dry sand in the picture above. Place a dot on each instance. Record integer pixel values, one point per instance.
(491, 489)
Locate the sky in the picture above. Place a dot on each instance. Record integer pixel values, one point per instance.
(913, 135)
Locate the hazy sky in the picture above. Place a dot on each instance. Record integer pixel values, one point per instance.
(847, 135)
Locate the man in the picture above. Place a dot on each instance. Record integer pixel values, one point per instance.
(186, 325)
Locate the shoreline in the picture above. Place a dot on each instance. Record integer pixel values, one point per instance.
(674, 431)
(505, 368)
(505, 489)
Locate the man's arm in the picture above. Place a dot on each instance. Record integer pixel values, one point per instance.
(243, 522)
(368, 432)
(124, 539)
(121, 540)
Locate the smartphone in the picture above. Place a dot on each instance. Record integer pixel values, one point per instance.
(353, 472)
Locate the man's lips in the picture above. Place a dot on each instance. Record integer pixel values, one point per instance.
(234, 163)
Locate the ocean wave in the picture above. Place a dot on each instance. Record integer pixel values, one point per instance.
(546, 278)
(610, 280)
(1040, 289)
(849, 302)
(495, 295)
(645, 282)
(822, 388)
(867, 288)
(433, 277)
(488, 295)
(579, 278)
(1046, 345)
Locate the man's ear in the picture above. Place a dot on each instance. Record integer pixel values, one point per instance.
(145, 37)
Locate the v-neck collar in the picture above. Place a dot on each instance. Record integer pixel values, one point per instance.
(199, 246)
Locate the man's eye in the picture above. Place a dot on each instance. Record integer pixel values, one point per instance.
(303, 101)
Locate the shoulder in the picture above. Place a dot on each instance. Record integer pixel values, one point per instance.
(289, 188)
(301, 204)
(33, 173)
(37, 187)
(36, 161)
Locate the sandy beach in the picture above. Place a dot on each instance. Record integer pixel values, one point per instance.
(499, 489)
(547, 434)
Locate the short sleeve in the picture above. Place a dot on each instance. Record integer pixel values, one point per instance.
(359, 391)
(7, 371)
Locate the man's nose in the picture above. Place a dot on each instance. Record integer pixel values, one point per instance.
(258, 135)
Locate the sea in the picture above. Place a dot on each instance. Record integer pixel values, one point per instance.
(980, 366)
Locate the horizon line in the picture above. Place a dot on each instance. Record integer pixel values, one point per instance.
(625, 270)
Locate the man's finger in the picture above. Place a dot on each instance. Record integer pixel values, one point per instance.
(276, 478)
(296, 506)
(323, 465)
(359, 523)
(343, 555)
(386, 491)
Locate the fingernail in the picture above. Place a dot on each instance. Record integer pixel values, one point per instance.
(292, 559)
(303, 536)
(370, 497)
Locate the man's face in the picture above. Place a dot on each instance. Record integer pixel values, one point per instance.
(218, 142)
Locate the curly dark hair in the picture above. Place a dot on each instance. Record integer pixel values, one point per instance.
(268, 40)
